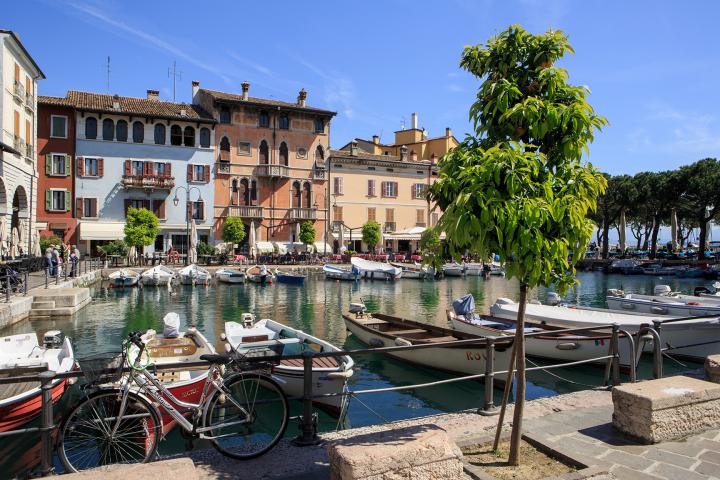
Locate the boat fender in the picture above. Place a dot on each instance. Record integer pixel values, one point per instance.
(693, 303)
(401, 342)
(376, 343)
(504, 301)
(568, 346)
(663, 290)
(345, 374)
(627, 306)
(659, 310)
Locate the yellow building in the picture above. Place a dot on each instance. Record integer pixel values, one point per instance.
(387, 183)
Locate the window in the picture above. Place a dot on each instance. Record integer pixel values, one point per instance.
(296, 195)
(419, 190)
(302, 152)
(159, 134)
(197, 210)
(263, 153)
(433, 219)
(91, 128)
(161, 169)
(121, 131)
(337, 213)
(307, 194)
(283, 154)
(420, 217)
(338, 185)
(108, 129)
(283, 122)
(372, 169)
(91, 167)
(176, 136)
(189, 136)
(371, 188)
(198, 173)
(138, 168)
(225, 116)
(389, 189)
(390, 215)
(371, 214)
(244, 192)
(16, 123)
(158, 208)
(59, 200)
(244, 148)
(138, 132)
(89, 207)
(205, 137)
(58, 126)
(319, 153)
(224, 149)
(60, 164)
(319, 125)
(134, 203)
(253, 193)
(264, 119)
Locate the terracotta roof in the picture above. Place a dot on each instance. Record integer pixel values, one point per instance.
(15, 37)
(362, 155)
(59, 101)
(233, 97)
(101, 102)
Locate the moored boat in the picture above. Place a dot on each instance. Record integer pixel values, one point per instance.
(329, 374)
(667, 303)
(158, 275)
(375, 270)
(473, 269)
(21, 402)
(415, 270)
(497, 269)
(289, 277)
(453, 269)
(337, 273)
(230, 275)
(259, 274)
(124, 278)
(618, 266)
(194, 275)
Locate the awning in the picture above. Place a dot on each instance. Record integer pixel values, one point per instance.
(265, 247)
(101, 231)
(322, 247)
(413, 233)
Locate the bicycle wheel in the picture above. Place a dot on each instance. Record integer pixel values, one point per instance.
(86, 434)
(249, 417)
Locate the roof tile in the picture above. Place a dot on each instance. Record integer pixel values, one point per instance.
(233, 97)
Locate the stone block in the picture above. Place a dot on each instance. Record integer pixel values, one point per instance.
(666, 409)
(712, 368)
(179, 468)
(422, 452)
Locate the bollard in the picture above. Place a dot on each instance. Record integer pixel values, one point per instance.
(489, 407)
(308, 435)
(46, 422)
(65, 268)
(615, 354)
(57, 275)
(46, 277)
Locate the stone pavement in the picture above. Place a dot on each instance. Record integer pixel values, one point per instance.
(587, 435)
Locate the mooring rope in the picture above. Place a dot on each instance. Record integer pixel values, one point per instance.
(558, 376)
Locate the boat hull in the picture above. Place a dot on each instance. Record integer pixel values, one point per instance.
(291, 279)
(663, 309)
(123, 282)
(195, 280)
(228, 278)
(19, 412)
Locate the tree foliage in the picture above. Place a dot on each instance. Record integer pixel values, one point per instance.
(371, 234)
(141, 227)
(48, 242)
(307, 232)
(116, 247)
(233, 230)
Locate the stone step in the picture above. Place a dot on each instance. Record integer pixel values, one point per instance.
(43, 304)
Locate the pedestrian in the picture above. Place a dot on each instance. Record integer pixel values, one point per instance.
(49, 261)
(55, 258)
(74, 258)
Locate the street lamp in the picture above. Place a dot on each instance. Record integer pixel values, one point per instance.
(176, 201)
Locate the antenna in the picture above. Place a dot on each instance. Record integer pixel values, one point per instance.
(402, 124)
(175, 75)
(108, 74)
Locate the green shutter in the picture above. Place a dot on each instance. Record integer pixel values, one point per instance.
(68, 162)
(67, 201)
(48, 200)
(48, 164)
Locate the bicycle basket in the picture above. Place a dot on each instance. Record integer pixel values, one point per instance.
(102, 367)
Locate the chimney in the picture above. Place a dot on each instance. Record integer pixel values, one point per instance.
(195, 88)
(245, 90)
(376, 139)
(302, 96)
(448, 132)
(183, 112)
(116, 102)
(414, 122)
(153, 95)
(354, 148)
(403, 153)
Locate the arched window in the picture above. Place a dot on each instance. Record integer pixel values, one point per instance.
(159, 134)
(224, 149)
(225, 116)
(205, 137)
(283, 154)
(176, 135)
(307, 194)
(253, 193)
(189, 136)
(91, 128)
(296, 195)
(263, 119)
(319, 153)
(244, 194)
(234, 192)
(108, 129)
(263, 156)
(121, 131)
(283, 122)
(319, 125)
(138, 132)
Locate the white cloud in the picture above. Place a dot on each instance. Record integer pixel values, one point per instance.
(339, 90)
(255, 66)
(455, 88)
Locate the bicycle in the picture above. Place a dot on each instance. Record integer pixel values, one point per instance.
(244, 413)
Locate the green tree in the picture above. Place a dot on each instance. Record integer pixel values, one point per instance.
(307, 233)
(141, 227)
(47, 242)
(116, 247)
(431, 246)
(701, 194)
(371, 234)
(233, 230)
(618, 196)
(518, 187)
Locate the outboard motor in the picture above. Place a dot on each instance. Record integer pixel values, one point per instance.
(53, 339)
(464, 306)
(701, 291)
(358, 308)
(171, 325)
(248, 320)
(553, 299)
(663, 290)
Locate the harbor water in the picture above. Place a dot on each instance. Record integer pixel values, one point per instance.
(316, 308)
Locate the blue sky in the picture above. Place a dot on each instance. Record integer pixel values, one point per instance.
(652, 66)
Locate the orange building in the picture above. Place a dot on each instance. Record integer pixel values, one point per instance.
(270, 168)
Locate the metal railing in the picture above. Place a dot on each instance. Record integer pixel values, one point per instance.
(297, 213)
(148, 181)
(245, 211)
(22, 279)
(268, 170)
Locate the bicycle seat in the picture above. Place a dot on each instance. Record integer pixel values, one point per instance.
(215, 358)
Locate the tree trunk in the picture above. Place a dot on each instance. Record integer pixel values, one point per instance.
(648, 228)
(605, 245)
(703, 234)
(516, 434)
(656, 230)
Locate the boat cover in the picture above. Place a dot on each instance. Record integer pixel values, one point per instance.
(464, 305)
(171, 324)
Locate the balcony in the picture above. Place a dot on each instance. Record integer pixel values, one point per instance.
(29, 151)
(222, 168)
(18, 143)
(278, 171)
(19, 91)
(245, 212)
(303, 214)
(389, 227)
(149, 182)
(336, 226)
(319, 171)
(29, 101)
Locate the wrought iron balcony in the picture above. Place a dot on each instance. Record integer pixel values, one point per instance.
(336, 226)
(245, 211)
(18, 143)
(280, 171)
(29, 101)
(29, 151)
(303, 213)
(319, 171)
(222, 168)
(149, 182)
(389, 227)
(19, 90)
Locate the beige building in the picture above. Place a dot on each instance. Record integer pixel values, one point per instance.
(387, 183)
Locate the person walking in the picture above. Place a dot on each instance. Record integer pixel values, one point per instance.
(49, 261)
(74, 259)
(56, 261)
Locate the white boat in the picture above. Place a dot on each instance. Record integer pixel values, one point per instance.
(159, 275)
(677, 305)
(267, 337)
(618, 266)
(337, 273)
(453, 269)
(375, 270)
(474, 269)
(415, 270)
(21, 402)
(652, 269)
(194, 275)
(676, 334)
(379, 330)
(259, 274)
(124, 278)
(496, 269)
(230, 275)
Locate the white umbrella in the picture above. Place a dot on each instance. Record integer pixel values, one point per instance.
(132, 253)
(14, 243)
(621, 231)
(169, 244)
(3, 235)
(252, 239)
(673, 229)
(343, 248)
(36, 249)
(192, 251)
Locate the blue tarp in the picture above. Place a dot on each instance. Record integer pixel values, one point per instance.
(464, 305)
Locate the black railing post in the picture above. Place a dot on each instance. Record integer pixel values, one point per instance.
(46, 422)
(615, 343)
(25, 282)
(657, 351)
(7, 286)
(46, 277)
(489, 404)
(65, 268)
(308, 428)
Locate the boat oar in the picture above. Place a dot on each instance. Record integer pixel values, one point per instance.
(506, 397)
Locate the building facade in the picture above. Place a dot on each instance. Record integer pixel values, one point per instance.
(18, 166)
(142, 153)
(56, 169)
(270, 167)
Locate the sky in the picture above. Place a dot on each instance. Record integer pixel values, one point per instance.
(652, 66)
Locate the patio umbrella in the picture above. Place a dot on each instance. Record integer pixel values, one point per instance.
(36, 249)
(132, 253)
(3, 235)
(14, 243)
(673, 229)
(169, 244)
(343, 248)
(192, 252)
(251, 241)
(621, 231)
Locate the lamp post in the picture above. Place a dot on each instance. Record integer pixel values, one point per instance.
(176, 200)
